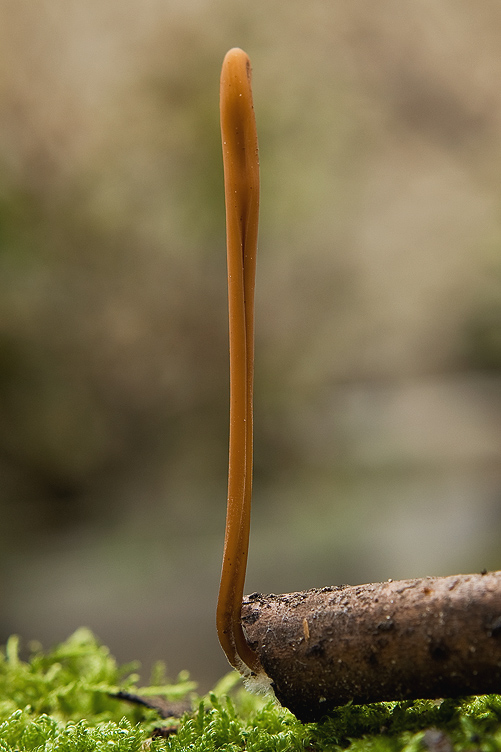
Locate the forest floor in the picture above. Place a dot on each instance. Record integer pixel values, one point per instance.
(71, 698)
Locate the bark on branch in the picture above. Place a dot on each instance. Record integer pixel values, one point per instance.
(425, 638)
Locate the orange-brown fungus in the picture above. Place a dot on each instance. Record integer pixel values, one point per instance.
(241, 182)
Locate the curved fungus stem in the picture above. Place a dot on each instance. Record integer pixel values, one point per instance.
(241, 182)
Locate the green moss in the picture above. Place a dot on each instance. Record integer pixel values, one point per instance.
(62, 701)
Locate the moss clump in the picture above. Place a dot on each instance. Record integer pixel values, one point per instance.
(62, 701)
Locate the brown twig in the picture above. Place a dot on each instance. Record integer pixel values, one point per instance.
(409, 639)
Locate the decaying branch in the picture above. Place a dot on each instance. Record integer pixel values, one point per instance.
(425, 638)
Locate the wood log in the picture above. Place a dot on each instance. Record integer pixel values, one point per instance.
(425, 638)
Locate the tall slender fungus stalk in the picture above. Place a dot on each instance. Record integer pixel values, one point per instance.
(317, 649)
(241, 181)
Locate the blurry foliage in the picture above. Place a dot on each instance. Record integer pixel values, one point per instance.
(111, 232)
(101, 353)
(482, 331)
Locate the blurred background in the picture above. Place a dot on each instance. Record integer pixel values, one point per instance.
(378, 374)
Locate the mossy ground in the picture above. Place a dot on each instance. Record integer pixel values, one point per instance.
(62, 701)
